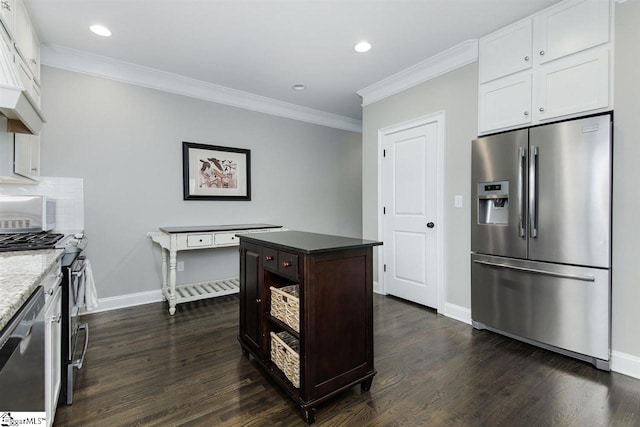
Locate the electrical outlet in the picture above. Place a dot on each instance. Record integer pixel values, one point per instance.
(180, 265)
(457, 201)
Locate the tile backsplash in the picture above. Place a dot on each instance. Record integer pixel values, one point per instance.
(69, 195)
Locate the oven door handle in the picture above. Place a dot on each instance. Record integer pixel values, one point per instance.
(78, 362)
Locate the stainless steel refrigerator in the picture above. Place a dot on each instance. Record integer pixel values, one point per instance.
(541, 236)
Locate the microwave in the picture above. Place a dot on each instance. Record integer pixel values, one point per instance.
(22, 214)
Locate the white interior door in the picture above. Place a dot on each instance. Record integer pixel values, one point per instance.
(409, 173)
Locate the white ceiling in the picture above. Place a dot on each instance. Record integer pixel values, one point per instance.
(265, 47)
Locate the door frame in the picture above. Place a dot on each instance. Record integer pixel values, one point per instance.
(438, 118)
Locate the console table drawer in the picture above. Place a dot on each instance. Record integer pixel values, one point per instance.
(196, 240)
(225, 239)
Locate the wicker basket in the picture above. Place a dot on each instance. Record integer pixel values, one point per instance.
(285, 305)
(285, 350)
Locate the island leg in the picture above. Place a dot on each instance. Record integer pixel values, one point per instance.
(366, 384)
(309, 415)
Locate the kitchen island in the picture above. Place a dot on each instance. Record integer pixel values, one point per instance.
(306, 312)
(20, 274)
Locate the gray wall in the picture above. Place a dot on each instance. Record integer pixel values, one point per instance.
(126, 142)
(626, 177)
(456, 94)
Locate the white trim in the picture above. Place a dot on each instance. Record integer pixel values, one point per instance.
(377, 289)
(126, 72)
(124, 301)
(442, 63)
(458, 312)
(626, 364)
(439, 118)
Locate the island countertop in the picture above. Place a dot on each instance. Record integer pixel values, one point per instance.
(308, 243)
(20, 274)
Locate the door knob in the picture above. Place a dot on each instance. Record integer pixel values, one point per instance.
(430, 225)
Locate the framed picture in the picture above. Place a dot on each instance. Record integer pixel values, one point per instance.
(211, 172)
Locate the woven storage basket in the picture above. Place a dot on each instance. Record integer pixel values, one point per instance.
(285, 305)
(285, 350)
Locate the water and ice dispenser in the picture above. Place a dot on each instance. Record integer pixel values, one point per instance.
(493, 202)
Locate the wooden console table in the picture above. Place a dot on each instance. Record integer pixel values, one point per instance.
(174, 239)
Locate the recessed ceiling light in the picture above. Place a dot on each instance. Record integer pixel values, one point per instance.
(362, 47)
(299, 87)
(100, 30)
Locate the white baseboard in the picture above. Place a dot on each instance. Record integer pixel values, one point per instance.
(377, 288)
(457, 312)
(123, 301)
(625, 364)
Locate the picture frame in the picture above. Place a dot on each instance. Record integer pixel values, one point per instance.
(213, 172)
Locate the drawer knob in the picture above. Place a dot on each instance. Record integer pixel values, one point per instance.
(286, 264)
(526, 58)
(541, 109)
(268, 258)
(258, 300)
(526, 113)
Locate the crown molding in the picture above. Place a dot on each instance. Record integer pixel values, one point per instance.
(455, 57)
(101, 66)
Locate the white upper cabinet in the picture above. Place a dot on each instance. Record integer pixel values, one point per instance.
(26, 40)
(506, 51)
(570, 27)
(505, 102)
(7, 15)
(572, 84)
(552, 65)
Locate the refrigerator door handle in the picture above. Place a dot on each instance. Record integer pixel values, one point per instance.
(521, 199)
(533, 192)
(536, 271)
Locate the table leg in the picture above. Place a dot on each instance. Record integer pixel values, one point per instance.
(165, 256)
(172, 282)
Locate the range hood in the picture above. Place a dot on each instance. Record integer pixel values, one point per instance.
(15, 102)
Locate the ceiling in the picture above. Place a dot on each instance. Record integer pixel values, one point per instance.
(265, 47)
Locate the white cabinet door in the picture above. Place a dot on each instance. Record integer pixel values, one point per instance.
(34, 60)
(52, 366)
(506, 51)
(26, 155)
(505, 102)
(578, 83)
(7, 14)
(570, 27)
(23, 32)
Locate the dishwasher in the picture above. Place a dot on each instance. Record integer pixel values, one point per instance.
(22, 358)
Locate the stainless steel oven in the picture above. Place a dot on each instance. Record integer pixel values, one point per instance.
(73, 349)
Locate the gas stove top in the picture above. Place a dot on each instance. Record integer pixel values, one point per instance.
(29, 241)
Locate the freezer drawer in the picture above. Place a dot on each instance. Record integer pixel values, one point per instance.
(561, 306)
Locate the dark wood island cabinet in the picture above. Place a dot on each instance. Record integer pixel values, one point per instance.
(326, 336)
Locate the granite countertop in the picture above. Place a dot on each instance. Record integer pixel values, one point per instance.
(20, 275)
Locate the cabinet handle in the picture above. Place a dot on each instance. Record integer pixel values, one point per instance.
(49, 292)
(56, 319)
(34, 169)
(526, 58)
(32, 61)
(268, 258)
(541, 109)
(258, 300)
(542, 53)
(6, 5)
(526, 113)
(286, 264)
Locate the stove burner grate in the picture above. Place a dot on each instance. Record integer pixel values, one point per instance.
(28, 241)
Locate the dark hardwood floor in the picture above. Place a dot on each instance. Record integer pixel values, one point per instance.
(147, 368)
